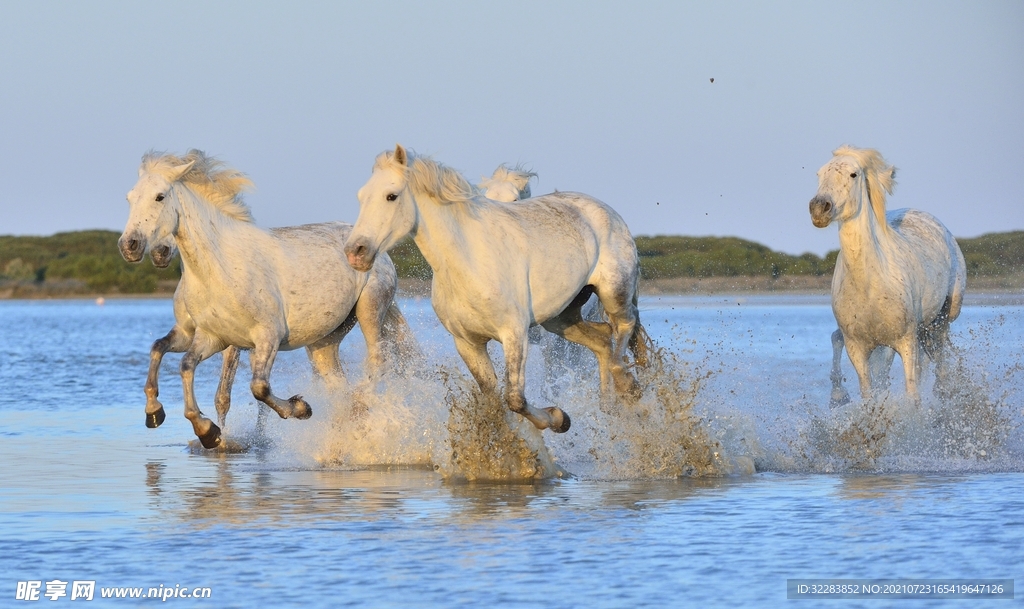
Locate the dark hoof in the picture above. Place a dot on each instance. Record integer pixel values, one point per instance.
(566, 421)
(300, 407)
(839, 400)
(211, 439)
(154, 419)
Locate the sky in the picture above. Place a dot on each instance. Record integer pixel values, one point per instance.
(614, 99)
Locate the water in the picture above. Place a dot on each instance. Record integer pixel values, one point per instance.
(341, 511)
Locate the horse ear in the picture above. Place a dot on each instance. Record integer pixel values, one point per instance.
(887, 178)
(400, 156)
(180, 170)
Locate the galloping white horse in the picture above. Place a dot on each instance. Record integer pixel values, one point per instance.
(246, 287)
(900, 276)
(508, 185)
(500, 268)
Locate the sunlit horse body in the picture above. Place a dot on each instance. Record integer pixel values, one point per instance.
(900, 276)
(249, 288)
(560, 356)
(500, 268)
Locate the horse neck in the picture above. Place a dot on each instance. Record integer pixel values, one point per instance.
(438, 233)
(199, 235)
(867, 245)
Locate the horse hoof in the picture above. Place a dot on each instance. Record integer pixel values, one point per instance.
(300, 408)
(154, 419)
(211, 439)
(566, 422)
(839, 400)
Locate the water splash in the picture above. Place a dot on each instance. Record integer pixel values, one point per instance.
(487, 441)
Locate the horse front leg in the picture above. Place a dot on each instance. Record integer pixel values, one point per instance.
(261, 359)
(516, 346)
(474, 354)
(227, 378)
(176, 341)
(839, 394)
(202, 347)
(859, 356)
(910, 353)
(880, 362)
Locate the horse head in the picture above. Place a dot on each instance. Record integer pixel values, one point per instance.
(150, 214)
(507, 185)
(853, 177)
(387, 210)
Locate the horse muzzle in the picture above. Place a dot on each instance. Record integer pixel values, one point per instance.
(132, 247)
(360, 255)
(821, 211)
(161, 256)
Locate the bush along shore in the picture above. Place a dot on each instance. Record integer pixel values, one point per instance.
(87, 263)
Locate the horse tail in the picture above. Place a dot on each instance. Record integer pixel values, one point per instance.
(640, 343)
(401, 342)
(934, 336)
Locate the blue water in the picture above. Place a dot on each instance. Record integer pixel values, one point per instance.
(322, 516)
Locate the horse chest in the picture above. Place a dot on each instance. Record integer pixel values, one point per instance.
(878, 316)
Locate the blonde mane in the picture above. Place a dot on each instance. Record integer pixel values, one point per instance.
(880, 175)
(430, 177)
(503, 178)
(211, 179)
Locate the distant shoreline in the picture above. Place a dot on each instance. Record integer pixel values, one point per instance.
(1005, 290)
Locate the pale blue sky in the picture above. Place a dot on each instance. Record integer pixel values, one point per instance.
(612, 99)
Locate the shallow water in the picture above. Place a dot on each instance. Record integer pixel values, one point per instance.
(346, 510)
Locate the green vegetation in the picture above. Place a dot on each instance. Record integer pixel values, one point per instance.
(91, 258)
(665, 257)
(994, 254)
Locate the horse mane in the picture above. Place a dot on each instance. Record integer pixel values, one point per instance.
(881, 176)
(213, 180)
(430, 177)
(517, 177)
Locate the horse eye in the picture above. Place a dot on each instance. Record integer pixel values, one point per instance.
(392, 197)
(853, 175)
(160, 197)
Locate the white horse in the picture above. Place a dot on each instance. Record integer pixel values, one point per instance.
(246, 287)
(560, 356)
(500, 268)
(900, 276)
(507, 185)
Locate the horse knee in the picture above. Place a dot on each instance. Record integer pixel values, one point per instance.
(517, 402)
(260, 389)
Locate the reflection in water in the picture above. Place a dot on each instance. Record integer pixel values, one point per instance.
(238, 490)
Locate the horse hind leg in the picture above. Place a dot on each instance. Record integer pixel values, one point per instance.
(934, 339)
(176, 341)
(620, 304)
(596, 336)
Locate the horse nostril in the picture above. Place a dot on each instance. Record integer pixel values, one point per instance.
(133, 244)
(360, 250)
(828, 206)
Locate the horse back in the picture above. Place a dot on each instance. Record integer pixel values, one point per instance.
(318, 288)
(937, 251)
